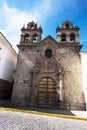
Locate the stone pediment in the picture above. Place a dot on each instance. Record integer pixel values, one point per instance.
(48, 40)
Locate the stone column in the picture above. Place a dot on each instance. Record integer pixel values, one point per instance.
(34, 87)
(31, 39)
(77, 38)
(61, 94)
(39, 38)
(33, 92)
(58, 38)
(35, 73)
(67, 38)
(22, 39)
(61, 87)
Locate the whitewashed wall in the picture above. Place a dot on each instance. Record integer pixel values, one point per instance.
(84, 71)
(8, 59)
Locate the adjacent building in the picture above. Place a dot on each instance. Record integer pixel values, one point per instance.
(84, 74)
(8, 59)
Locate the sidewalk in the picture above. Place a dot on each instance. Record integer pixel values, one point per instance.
(82, 114)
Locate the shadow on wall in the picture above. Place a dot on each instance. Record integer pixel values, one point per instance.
(5, 90)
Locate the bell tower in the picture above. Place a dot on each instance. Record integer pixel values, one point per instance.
(67, 34)
(30, 34)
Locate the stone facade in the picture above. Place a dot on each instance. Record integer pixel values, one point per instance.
(49, 72)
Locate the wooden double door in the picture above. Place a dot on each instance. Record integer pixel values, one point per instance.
(46, 94)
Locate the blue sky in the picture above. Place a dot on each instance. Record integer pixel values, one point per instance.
(47, 13)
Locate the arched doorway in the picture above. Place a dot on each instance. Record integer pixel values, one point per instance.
(46, 94)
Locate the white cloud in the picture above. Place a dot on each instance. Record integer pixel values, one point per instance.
(12, 19)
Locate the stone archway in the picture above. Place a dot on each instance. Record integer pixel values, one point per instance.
(46, 93)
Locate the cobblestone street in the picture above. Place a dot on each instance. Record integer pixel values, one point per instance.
(23, 121)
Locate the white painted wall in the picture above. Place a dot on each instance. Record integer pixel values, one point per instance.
(8, 60)
(2, 58)
(84, 71)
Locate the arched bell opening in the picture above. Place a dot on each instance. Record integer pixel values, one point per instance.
(63, 38)
(35, 38)
(72, 38)
(31, 26)
(26, 38)
(67, 25)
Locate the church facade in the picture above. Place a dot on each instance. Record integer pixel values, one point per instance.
(49, 71)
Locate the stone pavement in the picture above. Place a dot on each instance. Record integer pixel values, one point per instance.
(22, 121)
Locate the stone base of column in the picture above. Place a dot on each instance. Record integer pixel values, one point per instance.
(62, 105)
